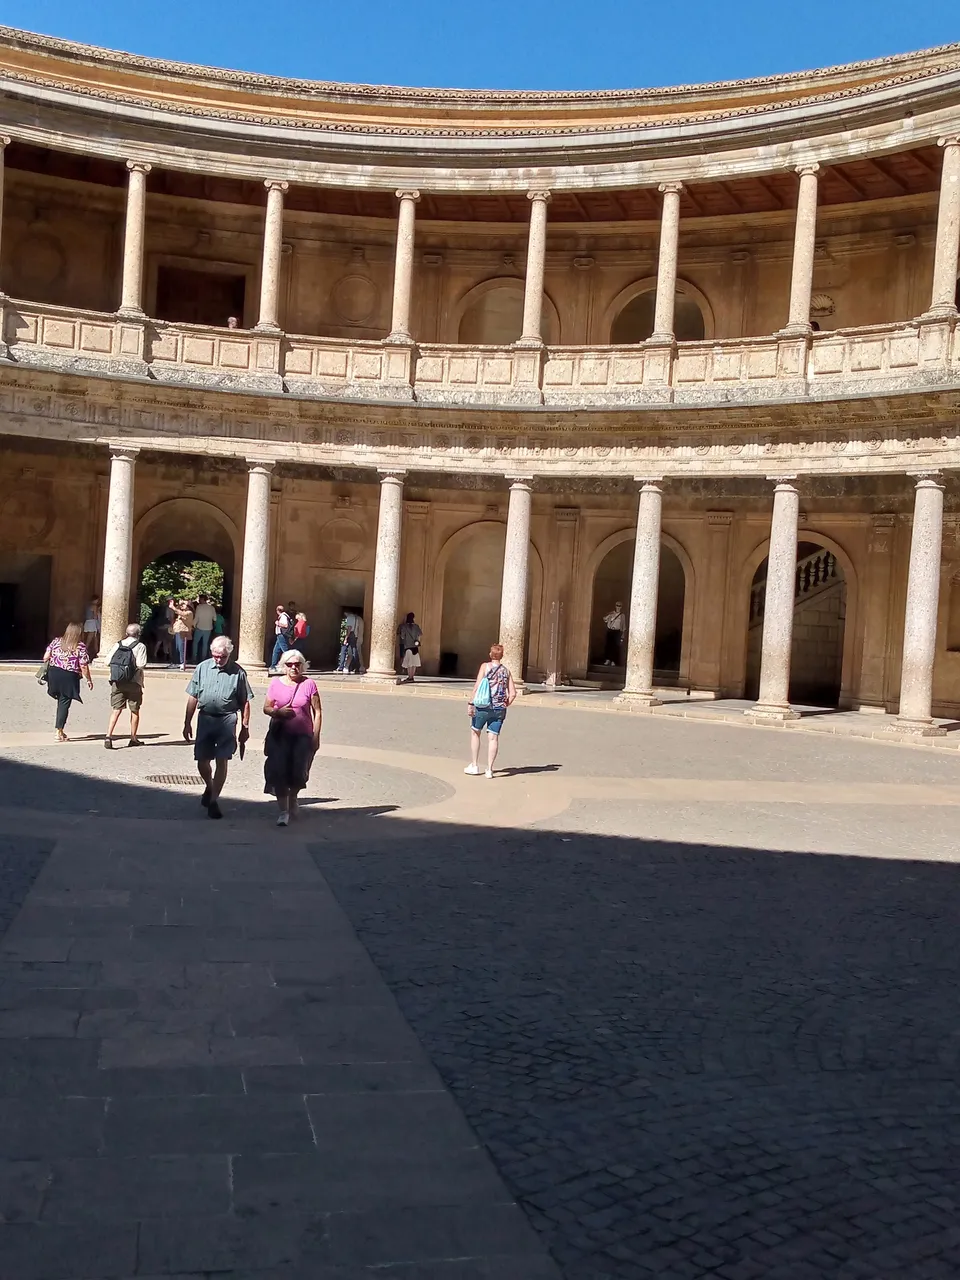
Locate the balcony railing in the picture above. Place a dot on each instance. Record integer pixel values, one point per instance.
(878, 359)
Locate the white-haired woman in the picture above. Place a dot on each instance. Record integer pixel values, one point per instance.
(293, 739)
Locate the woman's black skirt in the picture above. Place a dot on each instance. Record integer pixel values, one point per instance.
(287, 760)
(63, 684)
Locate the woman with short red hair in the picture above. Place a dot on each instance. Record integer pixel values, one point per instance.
(493, 693)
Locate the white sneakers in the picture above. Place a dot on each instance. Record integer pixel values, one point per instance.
(283, 820)
(474, 771)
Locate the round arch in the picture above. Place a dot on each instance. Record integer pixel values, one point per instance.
(513, 285)
(649, 285)
(458, 541)
(849, 673)
(629, 534)
(178, 524)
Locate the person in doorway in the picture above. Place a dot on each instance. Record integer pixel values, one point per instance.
(219, 621)
(351, 638)
(493, 692)
(182, 631)
(91, 627)
(233, 322)
(301, 628)
(128, 661)
(615, 624)
(220, 691)
(293, 739)
(409, 636)
(67, 659)
(281, 641)
(203, 621)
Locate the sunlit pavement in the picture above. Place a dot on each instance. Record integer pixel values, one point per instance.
(665, 998)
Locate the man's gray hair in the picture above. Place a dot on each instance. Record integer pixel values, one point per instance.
(223, 643)
(133, 631)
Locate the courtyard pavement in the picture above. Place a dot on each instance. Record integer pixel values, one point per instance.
(667, 998)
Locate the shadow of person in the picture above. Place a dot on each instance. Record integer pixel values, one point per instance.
(515, 770)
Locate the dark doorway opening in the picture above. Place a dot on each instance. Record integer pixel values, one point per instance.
(199, 297)
(24, 604)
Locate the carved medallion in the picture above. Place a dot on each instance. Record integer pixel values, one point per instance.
(341, 542)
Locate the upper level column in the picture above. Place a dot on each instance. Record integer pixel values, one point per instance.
(667, 262)
(272, 249)
(804, 247)
(531, 335)
(131, 290)
(403, 268)
(943, 297)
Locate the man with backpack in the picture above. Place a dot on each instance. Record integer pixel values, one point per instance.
(127, 660)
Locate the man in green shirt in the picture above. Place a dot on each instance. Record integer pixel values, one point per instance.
(221, 691)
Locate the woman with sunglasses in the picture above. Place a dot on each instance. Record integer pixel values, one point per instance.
(293, 739)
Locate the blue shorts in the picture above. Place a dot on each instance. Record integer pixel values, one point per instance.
(216, 737)
(489, 718)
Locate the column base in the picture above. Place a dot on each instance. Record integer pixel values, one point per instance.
(795, 331)
(273, 330)
(380, 677)
(936, 315)
(399, 339)
(131, 313)
(661, 340)
(531, 343)
(771, 713)
(917, 728)
(637, 700)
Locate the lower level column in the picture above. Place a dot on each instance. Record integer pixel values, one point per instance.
(386, 580)
(118, 549)
(256, 566)
(923, 601)
(516, 561)
(773, 702)
(642, 635)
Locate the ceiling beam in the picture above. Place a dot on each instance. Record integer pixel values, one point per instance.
(881, 168)
(771, 191)
(845, 178)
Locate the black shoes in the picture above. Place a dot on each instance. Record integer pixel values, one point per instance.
(213, 810)
(205, 798)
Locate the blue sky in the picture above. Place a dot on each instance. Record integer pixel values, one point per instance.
(532, 44)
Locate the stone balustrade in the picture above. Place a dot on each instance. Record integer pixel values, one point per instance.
(880, 359)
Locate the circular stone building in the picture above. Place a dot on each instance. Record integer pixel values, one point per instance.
(503, 359)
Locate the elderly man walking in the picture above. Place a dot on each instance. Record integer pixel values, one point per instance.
(127, 660)
(221, 692)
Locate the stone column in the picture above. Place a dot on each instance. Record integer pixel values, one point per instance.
(773, 702)
(131, 290)
(943, 294)
(923, 601)
(386, 580)
(117, 548)
(254, 603)
(667, 263)
(4, 143)
(531, 335)
(403, 267)
(272, 250)
(804, 247)
(516, 561)
(642, 635)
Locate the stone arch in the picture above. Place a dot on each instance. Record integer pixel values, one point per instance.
(481, 625)
(849, 667)
(484, 295)
(677, 549)
(686, 292)
(190, 524)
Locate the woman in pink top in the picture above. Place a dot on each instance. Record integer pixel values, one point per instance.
(293, 739)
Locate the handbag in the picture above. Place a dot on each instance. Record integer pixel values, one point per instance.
(42, 673)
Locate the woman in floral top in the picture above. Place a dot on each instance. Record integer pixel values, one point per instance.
(67, 660)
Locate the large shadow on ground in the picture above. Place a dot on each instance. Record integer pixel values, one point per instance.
(686, 1060)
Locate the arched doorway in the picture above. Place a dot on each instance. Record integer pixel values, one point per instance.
(819, 619)
(188, 542)
(634, 323)
(492, 315)
(612, 582)
(472, 576)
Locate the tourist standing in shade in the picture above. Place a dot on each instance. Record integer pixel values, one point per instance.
(91, 627)
(615, 623)
(493, 693)
(203, 622)
(67, 660)
(409, 635)
(220, 691)
(293, 739)
(182, 631)
(128, 661)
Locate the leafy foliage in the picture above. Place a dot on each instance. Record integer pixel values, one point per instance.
(180, 576)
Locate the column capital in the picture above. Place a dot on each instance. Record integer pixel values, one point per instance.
(927, 479)
(394, 474)
(540, 194)
(949, 140)
(128, 451)
(260, 464)
(519, 482)
(648, 481)
(276, 184)
(783, 482)
(810, 166)
(408, 193)
(5, 140)
(139, 166)
(666, 188)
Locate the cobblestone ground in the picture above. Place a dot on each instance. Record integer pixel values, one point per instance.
(688, 1061)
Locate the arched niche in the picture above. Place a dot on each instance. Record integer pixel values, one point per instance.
(806, 537)
(629, 317)
(468, 578)
(491, 314)
(190, 524)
